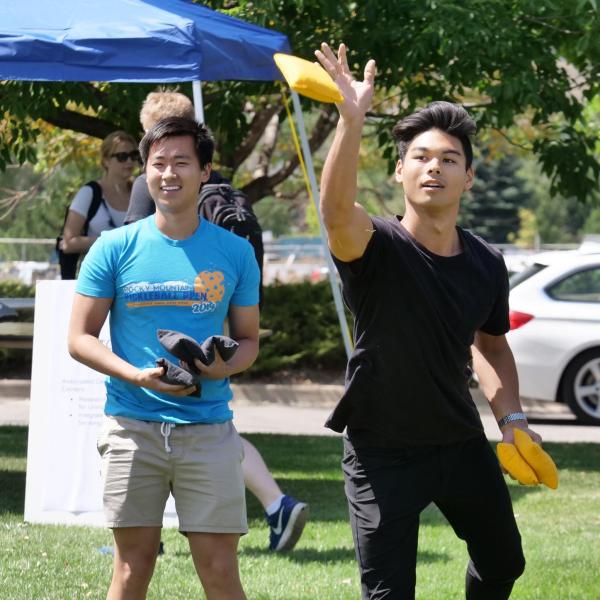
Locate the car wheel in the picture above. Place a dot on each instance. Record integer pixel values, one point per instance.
(581, 387)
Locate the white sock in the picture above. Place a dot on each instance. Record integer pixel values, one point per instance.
(274, 506)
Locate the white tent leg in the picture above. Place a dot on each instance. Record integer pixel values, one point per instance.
(198, 103)
(335, 288)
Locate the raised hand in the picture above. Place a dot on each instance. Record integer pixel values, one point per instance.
(357, 94)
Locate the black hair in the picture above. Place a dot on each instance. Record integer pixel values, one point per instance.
(450, 118)
(179, 126)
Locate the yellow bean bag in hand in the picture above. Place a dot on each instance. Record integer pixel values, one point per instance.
(307, 78)
(538, 458)
(527, 462)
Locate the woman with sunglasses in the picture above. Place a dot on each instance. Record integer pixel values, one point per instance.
(119, 158)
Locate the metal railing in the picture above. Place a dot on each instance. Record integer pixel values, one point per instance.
(29, 259)
(24, 246)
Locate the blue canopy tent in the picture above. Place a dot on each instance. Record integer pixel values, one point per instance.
(132, 41)
(139, 41)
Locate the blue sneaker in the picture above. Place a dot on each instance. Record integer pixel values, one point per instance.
(286, 524)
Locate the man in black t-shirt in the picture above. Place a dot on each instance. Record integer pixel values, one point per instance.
(427, 297)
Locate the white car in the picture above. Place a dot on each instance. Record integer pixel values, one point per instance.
(555, 330)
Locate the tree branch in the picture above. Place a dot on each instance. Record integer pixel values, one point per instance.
(541, 23)
(269, 143)
(264, 186)
(257, 127)
(379, 198)
(512, 142)
(69, 119)
(10, 202)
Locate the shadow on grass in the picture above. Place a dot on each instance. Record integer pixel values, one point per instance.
(308, 468)
(576, 456)
(308, 555)
(300, 555)
(307, 453)
(326, 498)
(12, 492)
(316, 453)
(311, 555)
(13, 442)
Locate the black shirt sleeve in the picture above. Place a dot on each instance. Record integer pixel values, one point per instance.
(141, 204)
(360, 266)
(498, 322)
(356, 275)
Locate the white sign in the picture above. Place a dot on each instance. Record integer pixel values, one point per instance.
(63, 484)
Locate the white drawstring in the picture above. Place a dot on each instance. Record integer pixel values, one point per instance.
(165, 430)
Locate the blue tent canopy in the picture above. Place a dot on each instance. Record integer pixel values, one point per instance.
(132, 41)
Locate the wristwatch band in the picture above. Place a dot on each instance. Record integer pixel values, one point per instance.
(516, 416)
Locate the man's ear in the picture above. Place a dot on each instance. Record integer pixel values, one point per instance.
(206, 172)
(398, 171)
(469, 179)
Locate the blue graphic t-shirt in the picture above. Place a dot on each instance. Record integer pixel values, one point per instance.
(160, 283)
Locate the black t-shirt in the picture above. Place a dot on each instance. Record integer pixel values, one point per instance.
(416, 314)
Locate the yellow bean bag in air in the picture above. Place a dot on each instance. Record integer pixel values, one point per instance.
(307, 78)
(527, 461)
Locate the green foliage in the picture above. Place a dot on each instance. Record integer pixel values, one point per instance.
(378, 192)
(592, 223)
(557, 219)
(504, 59)
(15, 360)
(10, 288)
(526, 236)
(491, 209)
(312, 220)
(41, 211)
(275, 215)
(306, 330)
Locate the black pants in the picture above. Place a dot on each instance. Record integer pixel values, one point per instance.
(387, 488)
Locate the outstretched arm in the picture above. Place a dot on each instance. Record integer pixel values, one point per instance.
(348, 225)
(495, 367)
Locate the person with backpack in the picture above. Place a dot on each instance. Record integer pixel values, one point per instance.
(99, 205)
(224, 206)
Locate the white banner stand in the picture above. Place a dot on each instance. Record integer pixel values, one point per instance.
(63, 483)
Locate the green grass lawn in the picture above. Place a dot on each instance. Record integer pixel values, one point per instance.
(561, 535)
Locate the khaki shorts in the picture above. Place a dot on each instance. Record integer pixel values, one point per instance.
(200, 464)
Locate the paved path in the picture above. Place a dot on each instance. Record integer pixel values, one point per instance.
(302, 409)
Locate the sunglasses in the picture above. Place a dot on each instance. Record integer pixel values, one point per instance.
(122, 157)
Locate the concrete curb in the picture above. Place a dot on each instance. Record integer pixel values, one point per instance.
(300, 395)
(302, 409)
(309, 395)
(15, 389)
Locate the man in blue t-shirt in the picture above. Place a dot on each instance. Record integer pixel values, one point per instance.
(285, 515)
(169, 271)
